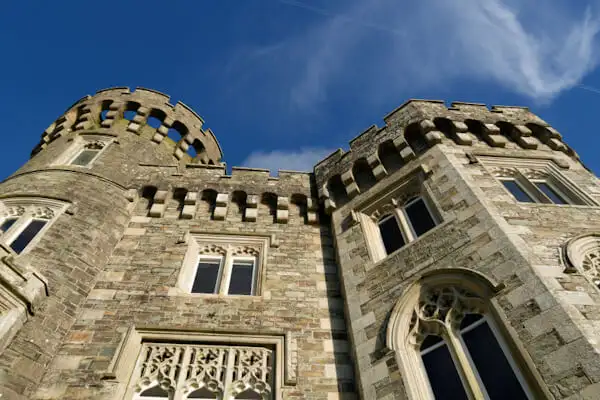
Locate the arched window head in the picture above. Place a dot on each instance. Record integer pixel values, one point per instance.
(583, 256)
(446, 341)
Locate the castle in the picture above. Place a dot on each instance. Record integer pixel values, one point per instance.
(453, 253)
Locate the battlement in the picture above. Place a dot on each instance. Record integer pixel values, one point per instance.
(100, 111)
(419, 124)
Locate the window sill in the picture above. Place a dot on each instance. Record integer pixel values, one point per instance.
(557, 205)
(182, 293)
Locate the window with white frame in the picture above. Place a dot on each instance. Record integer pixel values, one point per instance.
(85, 150)
(542, 184)
(223, 264)
(452, 345)
(203, 371)
(404, 223)
(23, 221)
(401, 214)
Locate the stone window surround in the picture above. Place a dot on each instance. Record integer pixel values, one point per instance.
(581, 254)
(526, 171)
(223, 245)
(78, 145)
(369, 212)
(127, 353)
(400, 339)
(27, 209)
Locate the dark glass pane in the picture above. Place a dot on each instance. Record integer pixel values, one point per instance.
(85, 157)
(27, 235)
(242, 273)
(548, 191)
(469, 320)
(443, 376)
(129, 115)
(207, 276)
(419, 217)
(155, 391)
(391, 235)
(517, 191)
(248, 394)
(496, 373)
(430, 341)
(7, 224)
(202, 394)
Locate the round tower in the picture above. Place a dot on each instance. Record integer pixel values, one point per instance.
(65, 210)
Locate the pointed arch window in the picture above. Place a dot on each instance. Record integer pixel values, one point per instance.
(447, 341)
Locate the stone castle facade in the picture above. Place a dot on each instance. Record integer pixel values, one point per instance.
(453, 254)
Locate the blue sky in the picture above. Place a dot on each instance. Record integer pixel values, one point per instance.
(284, 82)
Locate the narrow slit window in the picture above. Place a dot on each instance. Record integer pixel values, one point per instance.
(489, 360)
(391, 235)
(7, 223)
(242, 277)
(517, 191)
(549, 191)
(27, 235)
(443, 376)
(208, 275)
(419, 216)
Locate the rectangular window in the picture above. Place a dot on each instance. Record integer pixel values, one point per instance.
(419, 216)
(208, 275)
(517, 191)
(391, 235)
(550, 192)
(85, 157)
(242, 277)
(7, 223)
(27, 235)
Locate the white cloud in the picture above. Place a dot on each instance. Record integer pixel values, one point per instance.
(380, 49)
(301, 160)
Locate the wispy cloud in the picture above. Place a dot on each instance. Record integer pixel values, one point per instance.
(301, 160)
(381, 48)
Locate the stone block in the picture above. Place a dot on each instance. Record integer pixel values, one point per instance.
(188, 211)
(283, 216)
(251, 214)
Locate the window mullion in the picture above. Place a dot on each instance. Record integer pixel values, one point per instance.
(225, 271)
(531, 189)
(405, 227)
(182, 374)
(470, 381)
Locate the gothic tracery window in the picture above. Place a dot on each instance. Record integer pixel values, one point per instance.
(194, 371)
(448, 344)
(457, 343)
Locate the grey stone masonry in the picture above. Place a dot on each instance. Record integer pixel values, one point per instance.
(107, 282)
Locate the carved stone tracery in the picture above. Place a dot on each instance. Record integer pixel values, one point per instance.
(440, 309)
(583, 256)
(225, 371)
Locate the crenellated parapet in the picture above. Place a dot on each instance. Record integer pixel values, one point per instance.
(419, 124)
(206, 192)
(143, 110)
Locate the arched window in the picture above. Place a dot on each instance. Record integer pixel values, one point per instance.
(405, 224)
(447, 341)
(583, 256)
